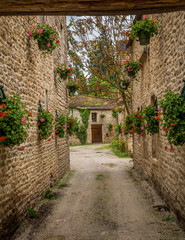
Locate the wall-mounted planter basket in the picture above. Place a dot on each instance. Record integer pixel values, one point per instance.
(144, 38)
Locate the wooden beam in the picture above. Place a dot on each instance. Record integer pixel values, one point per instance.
(87, 7)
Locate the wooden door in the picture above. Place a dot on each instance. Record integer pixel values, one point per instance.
(96, 133)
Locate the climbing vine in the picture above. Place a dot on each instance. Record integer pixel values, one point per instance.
(82, 134)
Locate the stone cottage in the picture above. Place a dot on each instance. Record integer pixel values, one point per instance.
(99, 120)
(24, 175)
(163, 68)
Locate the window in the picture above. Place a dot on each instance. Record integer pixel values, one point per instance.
(94, 117)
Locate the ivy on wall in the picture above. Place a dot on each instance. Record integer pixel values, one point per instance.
(82, 134)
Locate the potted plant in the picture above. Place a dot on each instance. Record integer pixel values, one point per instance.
(45, 124)
(102, 116)
(60, 125)
(143, 30)
(64, 70)
(14, 121)
(131, 67)
(47, 37)
(173, 120)
(152, 118)
(73, 86)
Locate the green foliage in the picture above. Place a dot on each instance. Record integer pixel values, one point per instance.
(169, 218)
(152, 122)
(132, 67)
(72, 125)
(147, 25)
(100, 177)
(82, 134)
(173, 117)
(84, 114)
(110, 127)
(73, 86)
(48, 195)
(64, 71)
(134, 123)
(119, 147)
(14, 121)
(114, 113)
(102, 115)
(32, 213)
(118, 128)
(60, 125)
(47, 37)
(45, 124)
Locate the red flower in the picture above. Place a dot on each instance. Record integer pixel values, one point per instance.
(127, 61)
(126, 33)
(8, 112)
(3, 115)
(138, 116)
(57, 41)
(49, 139)
(71, 125)
(2, 106)
(38, 124)
(167, 129)
(2, 138)
(141, 65)
(173, 124)
(166, 148)
(159, 113)
(171, 149)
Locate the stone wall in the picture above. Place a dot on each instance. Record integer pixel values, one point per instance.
(107, 136)
(164, 68)
(24, 175)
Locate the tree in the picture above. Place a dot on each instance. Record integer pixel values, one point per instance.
(96, 44)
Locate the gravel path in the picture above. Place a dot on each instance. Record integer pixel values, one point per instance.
(104, 202)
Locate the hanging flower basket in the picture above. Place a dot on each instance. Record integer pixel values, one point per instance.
(14, 121)
(131, 67)
(65, 70)
(73, 86)
(143, 30)
(144, 38)
(47, 37)
(61, 126)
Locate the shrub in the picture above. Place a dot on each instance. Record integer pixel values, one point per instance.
(47, 37)
(82, 134)
(14, 121)
(119, 147)
(45, 124)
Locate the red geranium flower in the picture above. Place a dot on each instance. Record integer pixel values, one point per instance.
(57, 41)
(2, 138)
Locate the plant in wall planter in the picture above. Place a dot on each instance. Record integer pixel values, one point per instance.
(102, 116)
(45, 124)
(73, 86)
(14, 122)
(143, 30)
(72, 125)
(47, 37)
(60, 125)
(173, 117)
(65, 70)
(132, 67)
(134, 123)
(152, 117)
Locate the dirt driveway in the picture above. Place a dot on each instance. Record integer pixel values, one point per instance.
(104, 201)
